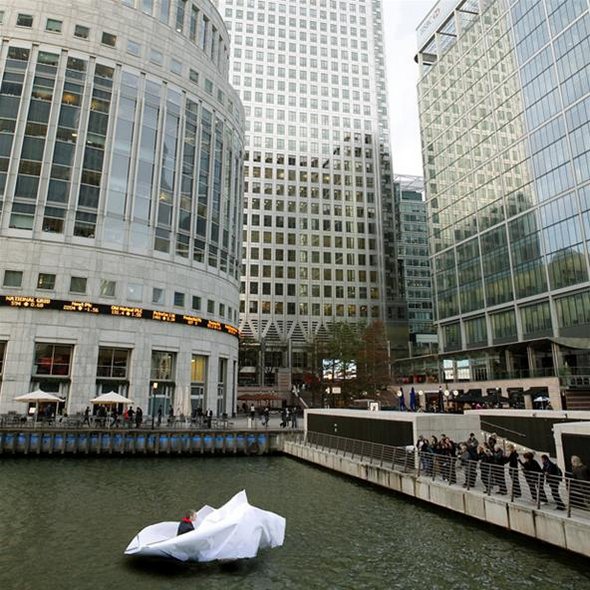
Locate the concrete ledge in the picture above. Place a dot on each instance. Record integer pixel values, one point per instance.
(550, 529)
(521, 520)
(496, 512)
(474, 506)
(556, 529)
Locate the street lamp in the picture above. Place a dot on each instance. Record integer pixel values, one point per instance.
(153, 396)
(420, 398)
(447, 393)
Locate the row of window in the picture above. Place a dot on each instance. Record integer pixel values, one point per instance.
(303, 309)
(53, 363)
(108, 288)
(536, 320)
(155, 56)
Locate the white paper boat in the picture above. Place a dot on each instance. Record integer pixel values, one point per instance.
(237, 530)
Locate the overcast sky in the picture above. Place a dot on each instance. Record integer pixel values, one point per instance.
(401, 17)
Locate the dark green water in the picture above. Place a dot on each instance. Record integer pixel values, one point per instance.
(64, 524)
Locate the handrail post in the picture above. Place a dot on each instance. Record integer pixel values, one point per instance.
(568, 487)
(433, 457)
(362, 450)
(539, 490)
(382, 455)
(419, 453)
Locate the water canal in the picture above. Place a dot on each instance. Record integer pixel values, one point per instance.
(64, 523)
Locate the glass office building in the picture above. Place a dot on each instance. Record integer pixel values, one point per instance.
(414, 263)
(311, 75)
(504, 95)
(121, 144)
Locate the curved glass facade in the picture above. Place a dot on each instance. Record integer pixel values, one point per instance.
(120, 175)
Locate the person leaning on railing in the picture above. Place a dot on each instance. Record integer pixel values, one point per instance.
(553, 476)
(533, 476)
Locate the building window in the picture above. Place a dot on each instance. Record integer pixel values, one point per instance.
(134, 292)
(81, 32)
(78, 285)
(176, 66)
(1, 17)
(13, 278)
(193, 76)
(108, 288)
(156, 57)
(178, 299)
(162, 383)
(52, 359)
(198, 382)
(163, 366)
(24, 20)
(196, 303)
(210, 306)
(158, 295)
(133, 48)
(46, 281)
(109, 39)
(53, 25)
(112, 363)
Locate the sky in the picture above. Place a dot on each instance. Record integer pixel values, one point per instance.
(401, 17)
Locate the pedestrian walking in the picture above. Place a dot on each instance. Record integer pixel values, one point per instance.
(138, 417)
(86, 416)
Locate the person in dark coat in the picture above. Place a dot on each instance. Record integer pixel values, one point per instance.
(533, 476)
(553, 477)
(138, 417)
(486, 461)
(86, 416)
(512, 458)
(186, 524)
(499, 475)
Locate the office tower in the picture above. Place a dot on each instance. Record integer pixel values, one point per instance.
(504, 97)
(311, 76)
(414, 264)
(120, 175)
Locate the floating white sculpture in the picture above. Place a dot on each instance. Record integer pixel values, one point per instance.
(235, 531)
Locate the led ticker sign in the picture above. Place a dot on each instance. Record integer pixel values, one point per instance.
(114, 310)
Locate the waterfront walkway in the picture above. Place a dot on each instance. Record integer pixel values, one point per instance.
(401, 470)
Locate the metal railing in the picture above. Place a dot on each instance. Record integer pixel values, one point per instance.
(568, 494)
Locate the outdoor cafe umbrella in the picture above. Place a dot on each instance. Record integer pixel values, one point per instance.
(38, 396)
(111, 398)
(541, 398)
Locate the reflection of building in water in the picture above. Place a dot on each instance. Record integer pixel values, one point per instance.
(504, 100)
(318, 183)
(120, 185)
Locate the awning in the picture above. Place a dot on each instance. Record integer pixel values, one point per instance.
(580, 343)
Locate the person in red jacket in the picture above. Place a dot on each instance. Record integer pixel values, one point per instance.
(187, 523)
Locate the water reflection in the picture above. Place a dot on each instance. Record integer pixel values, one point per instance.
(65, 524)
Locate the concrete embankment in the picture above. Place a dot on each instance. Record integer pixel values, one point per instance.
(572, 534)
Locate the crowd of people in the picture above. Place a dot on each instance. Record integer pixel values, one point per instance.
(499, 469)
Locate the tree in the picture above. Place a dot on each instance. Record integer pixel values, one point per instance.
(373, 362)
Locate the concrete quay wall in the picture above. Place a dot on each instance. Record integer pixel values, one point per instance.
(568, 533)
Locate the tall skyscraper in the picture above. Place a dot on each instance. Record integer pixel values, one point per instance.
(311, 75)
(504, 98)
(120, 203)
(414, 263)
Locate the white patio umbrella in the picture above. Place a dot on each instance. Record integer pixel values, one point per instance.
(541, 398)
(38, 396)
(111, 398)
